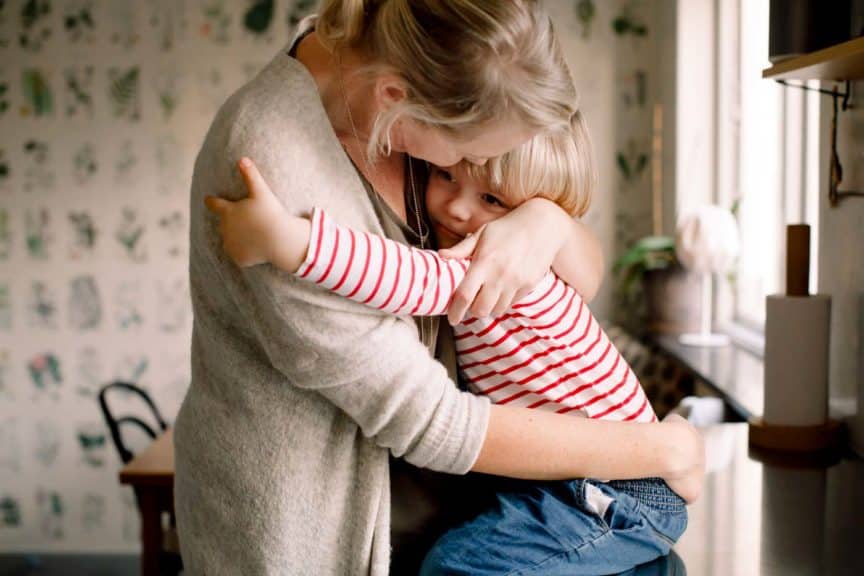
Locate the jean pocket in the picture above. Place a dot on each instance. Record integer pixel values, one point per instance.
(595, 501)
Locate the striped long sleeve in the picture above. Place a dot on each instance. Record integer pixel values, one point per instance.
(546, 352)
(379, 272)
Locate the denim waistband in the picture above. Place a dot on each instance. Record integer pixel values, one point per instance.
(652, 492)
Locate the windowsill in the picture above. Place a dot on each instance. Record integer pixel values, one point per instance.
(737, 374)
(745, 337)
(733, 372)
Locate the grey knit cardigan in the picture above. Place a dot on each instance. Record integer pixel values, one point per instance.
(297, 395)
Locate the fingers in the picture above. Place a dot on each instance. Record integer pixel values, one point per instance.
(521, 293)
(463, 249)
(464, 296)
(252, 177)
(216, 205)
(480, 298)
(505, 301)
(486, 300)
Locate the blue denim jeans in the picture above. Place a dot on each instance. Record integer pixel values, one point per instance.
(564, 528)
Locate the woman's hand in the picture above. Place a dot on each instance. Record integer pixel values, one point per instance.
(687, 459)
(258, 229)
(509, 257)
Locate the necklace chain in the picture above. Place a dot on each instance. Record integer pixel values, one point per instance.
(422, 233)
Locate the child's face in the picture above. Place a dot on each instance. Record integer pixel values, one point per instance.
(459, 204)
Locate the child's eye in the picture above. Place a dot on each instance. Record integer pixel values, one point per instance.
(492, 200)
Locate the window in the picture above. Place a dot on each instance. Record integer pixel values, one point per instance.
(767, 164)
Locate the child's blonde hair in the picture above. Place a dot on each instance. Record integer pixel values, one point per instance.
(465, 63)
(557, 165)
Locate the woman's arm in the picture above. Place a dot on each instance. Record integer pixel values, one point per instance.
(514, 252)
(538, 445)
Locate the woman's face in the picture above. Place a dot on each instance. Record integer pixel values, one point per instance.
(440, 149)
(459, 204)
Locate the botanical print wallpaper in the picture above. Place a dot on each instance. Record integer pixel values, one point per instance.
(103, 105)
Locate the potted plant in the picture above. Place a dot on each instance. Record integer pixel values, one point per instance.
(656, 295)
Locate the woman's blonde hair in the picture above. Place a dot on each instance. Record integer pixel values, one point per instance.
(465, 63)
(556, 165)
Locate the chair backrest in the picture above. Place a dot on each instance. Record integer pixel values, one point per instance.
(115, 423)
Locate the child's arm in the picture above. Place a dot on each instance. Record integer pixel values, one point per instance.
(366, 268)
(258, 229)
(379, 272)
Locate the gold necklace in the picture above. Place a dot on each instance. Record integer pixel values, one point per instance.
(423, 234)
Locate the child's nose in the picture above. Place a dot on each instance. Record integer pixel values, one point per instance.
(458, 209)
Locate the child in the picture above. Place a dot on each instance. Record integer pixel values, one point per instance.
(547, 352)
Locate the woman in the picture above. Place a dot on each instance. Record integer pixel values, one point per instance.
(297, 397)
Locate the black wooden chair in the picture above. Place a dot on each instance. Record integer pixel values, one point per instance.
(152, 424)
(114, 424)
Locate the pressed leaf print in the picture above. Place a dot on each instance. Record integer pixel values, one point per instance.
(78, 21)
(38, 174)
(79, 91)
(38, 236)
(35, 24)
(51, 514)
(259, 16)
(37, 93)
(5, 235)
(129, 234)
(85, 304)
(5, 326)
(124, 92)
(216, 21)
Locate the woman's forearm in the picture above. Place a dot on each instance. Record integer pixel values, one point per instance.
(579, 262)
(532, 444)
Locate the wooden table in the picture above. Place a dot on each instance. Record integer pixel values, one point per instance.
(151, 475)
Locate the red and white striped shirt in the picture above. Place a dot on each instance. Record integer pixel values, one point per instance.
(546, 352)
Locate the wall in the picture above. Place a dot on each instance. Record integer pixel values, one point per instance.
(103, 105)
(613, 59)
(841, 263)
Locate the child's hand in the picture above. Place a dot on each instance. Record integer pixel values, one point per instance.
(249, 227)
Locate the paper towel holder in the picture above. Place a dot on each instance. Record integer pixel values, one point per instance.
(797, 439)
(784, 437)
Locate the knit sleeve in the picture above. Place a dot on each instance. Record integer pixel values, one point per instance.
(379, 272)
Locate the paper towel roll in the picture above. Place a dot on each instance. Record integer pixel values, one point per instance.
(797, 331)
